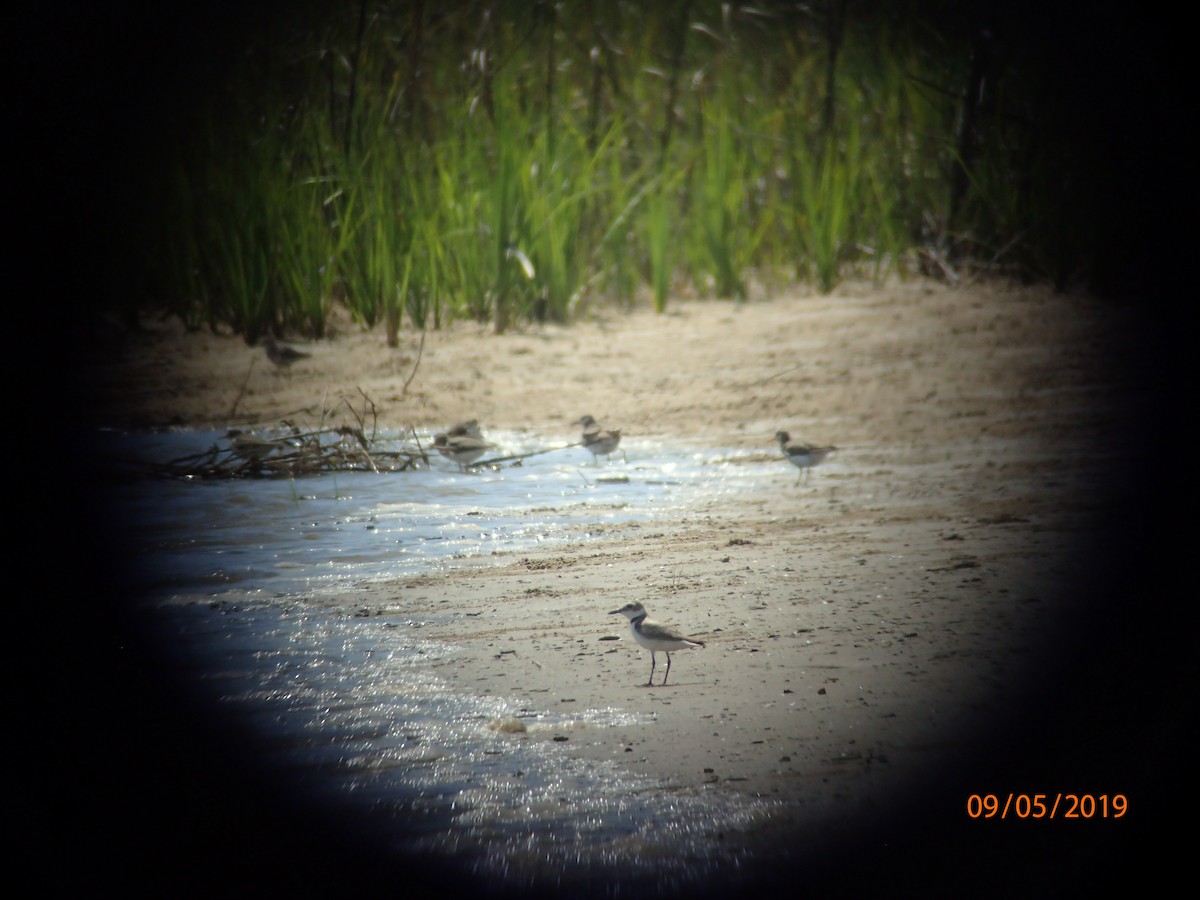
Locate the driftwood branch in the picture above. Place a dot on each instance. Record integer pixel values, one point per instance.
(520, 456)
(289, 451)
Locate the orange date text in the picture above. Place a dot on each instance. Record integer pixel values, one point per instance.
(1047, 806)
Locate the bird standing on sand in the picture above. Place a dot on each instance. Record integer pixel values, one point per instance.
(654, 636)
(281, 354)
(600, 441)
(802, 456)
(461, 448)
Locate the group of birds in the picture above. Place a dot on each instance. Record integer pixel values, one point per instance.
(464, 444)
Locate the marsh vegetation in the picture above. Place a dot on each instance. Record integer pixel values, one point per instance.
(424, 162)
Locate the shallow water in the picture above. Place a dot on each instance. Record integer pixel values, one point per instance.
(351, 707)
(324, 533)
(348, 709)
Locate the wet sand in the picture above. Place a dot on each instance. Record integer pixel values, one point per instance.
(918, 620)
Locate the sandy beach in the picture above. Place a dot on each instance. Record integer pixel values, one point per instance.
(913, 623)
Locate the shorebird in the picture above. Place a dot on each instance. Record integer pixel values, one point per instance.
(469, 428)
(281, 354)
(802, 456)
(654, 636)
(251, 447)
(462, 448)
(600, 441)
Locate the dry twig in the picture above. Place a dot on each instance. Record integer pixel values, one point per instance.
(291, 451)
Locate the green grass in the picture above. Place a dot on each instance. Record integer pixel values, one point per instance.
(510, 169)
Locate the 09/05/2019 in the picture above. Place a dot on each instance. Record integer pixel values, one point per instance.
(1047, 806)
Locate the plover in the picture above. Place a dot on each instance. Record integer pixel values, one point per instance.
(281, 354)
(251, 447)
(462, 449)
(470, 428)
(802, 456)
(600, 441)
(654, 636)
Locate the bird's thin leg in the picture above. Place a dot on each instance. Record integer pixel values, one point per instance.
(668, 675)
(650, 683)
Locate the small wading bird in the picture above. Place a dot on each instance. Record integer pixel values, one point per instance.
(460, 448)
(469, 428)
(598, 440)
(251, 447)
(802, 456)
(654, 636)
(281, 354)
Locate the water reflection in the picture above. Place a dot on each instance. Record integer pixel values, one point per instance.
(351, 709)
(326, 532)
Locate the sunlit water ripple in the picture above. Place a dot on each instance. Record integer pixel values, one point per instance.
(351, 704)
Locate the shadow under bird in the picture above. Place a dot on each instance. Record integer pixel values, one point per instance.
(802, 456)
(600, 441)
(281, 354)
(654, 636)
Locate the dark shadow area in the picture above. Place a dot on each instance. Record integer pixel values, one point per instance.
(135, 787)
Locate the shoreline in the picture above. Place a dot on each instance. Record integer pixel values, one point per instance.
(870, 632)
